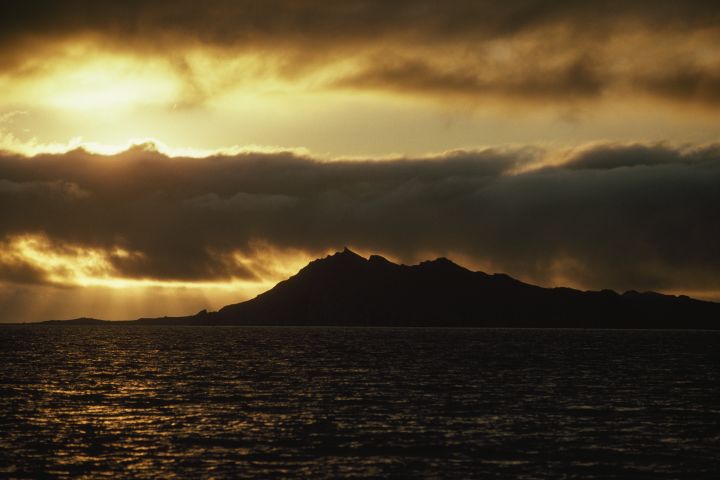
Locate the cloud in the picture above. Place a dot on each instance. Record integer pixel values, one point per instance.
(565, 82)
(243, 202)
(688, 83)
(248, 22)
(59, 189)
(611, 156)
(529, 49)
(624, 216)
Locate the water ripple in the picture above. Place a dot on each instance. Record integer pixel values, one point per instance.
(189, 402)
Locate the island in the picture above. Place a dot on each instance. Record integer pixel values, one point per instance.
(347, 289)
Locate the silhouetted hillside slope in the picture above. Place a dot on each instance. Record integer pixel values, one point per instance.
(347, 289)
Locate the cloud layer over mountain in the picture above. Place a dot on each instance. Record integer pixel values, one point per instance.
(608, 215)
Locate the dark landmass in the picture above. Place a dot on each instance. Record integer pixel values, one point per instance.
(82, 321)
(346, 289)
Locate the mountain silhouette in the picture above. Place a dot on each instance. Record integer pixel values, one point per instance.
(346, 289)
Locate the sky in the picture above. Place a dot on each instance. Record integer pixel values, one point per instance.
(162, 157)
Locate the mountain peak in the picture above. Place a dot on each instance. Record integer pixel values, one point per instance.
(441, 263)
(379, 259)
(444, 261)
(346, 255)
(348, 252)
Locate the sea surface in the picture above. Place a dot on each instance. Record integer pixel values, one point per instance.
(234, 402)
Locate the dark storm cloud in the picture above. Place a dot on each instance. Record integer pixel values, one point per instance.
(554, 47)
(690, 83)
(576, 79)
(249, 21)
(58, 189)
(20, 273)
(620, 216)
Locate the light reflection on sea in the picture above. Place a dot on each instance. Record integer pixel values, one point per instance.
(189, 402)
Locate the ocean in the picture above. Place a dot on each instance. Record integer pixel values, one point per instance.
(237, 402)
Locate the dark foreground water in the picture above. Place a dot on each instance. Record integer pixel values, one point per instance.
(191, 402)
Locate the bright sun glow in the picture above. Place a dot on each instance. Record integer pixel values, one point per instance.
(107, 83)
